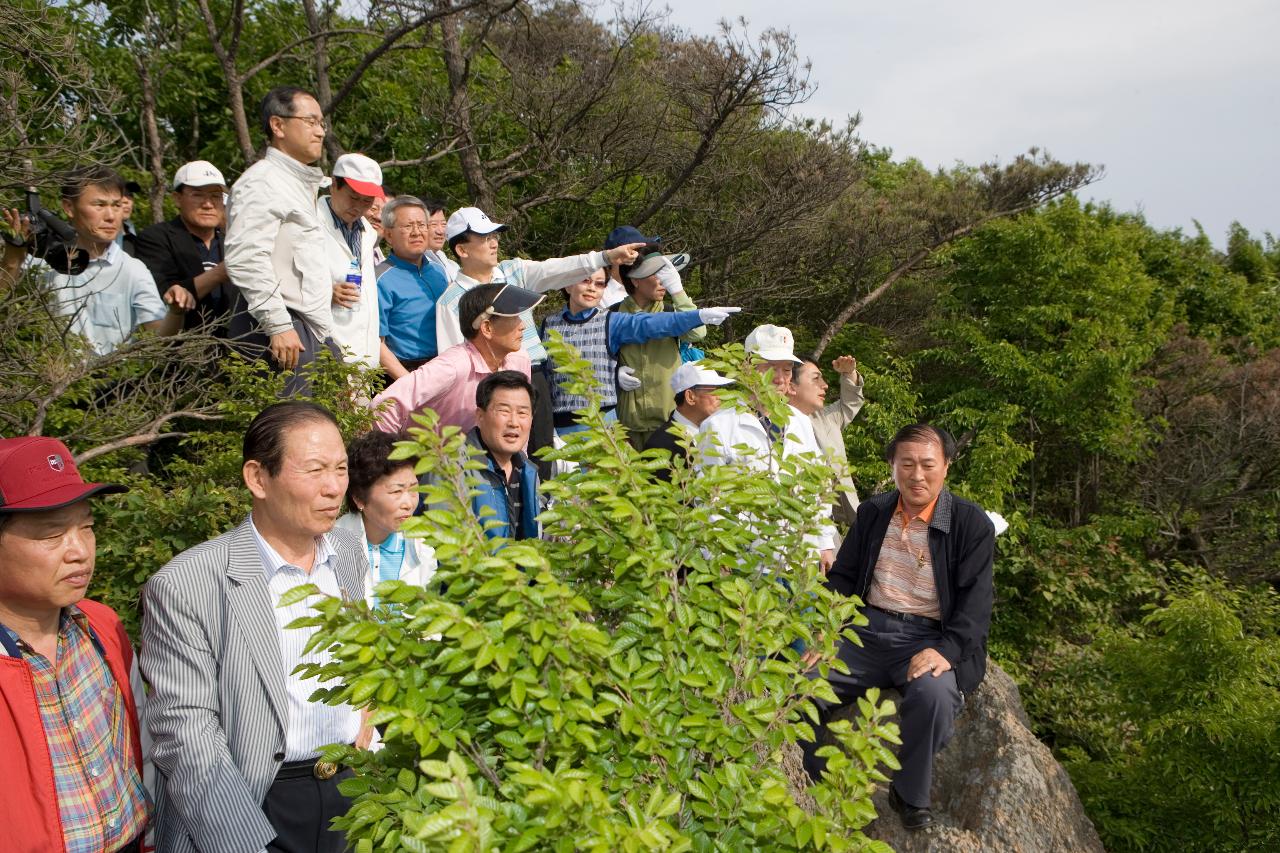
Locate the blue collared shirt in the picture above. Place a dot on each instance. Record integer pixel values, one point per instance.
(407, 296)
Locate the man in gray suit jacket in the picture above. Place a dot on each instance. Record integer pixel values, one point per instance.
(236, 739)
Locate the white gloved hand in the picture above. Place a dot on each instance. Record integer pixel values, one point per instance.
(716, 316)
(998, 521)
(627, 379)
(669, 277)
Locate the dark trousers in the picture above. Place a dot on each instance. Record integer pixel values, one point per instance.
(246, 336)
(543, 431)
(928, 708)
(412, 364)
(300, 809)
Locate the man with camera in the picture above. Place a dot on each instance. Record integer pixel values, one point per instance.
(106, 293)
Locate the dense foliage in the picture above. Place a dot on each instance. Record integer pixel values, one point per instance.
(630, 683)
(1115, 390)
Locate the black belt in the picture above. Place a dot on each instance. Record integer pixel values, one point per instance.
(312, 768)
(909, 618)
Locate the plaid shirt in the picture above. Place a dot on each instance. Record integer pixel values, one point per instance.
(101, 800)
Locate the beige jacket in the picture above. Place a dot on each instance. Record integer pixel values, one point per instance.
(828, 428)
(276, 252)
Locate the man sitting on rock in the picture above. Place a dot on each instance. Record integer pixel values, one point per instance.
(920, 558)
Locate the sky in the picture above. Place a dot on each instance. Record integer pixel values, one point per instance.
(1178, 99)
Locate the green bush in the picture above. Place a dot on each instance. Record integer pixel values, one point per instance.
(628, 684)
(1176, 724)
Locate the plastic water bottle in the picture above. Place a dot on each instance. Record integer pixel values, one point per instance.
(354, 277)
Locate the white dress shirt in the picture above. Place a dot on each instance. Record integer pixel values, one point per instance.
(734, 437)
(311, 725)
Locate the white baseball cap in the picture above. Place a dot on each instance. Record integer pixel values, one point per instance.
(772, 343)
(361, 172)
(649, 264)
(198, 173)
(471, 219)
(692, 375)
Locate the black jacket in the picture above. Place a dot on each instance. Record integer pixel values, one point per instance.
(169, 251)
(666, 437)
(961, 546)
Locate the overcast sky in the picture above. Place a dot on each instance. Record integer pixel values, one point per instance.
(1177, 98)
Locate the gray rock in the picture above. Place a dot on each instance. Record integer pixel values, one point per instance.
(995, 787)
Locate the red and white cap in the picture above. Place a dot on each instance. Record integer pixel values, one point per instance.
(38, 473)
(361, 172)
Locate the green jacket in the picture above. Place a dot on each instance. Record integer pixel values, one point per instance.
(649, 406)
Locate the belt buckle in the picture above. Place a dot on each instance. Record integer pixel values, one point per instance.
(325, 769)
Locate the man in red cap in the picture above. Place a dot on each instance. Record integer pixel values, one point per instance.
(357, 183)
(68, 716)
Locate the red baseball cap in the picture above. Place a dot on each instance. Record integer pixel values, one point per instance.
(38, 473)
(362, 173)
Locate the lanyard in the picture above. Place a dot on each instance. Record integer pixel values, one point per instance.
(15, 651)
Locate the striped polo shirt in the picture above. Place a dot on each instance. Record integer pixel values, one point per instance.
(903, 576)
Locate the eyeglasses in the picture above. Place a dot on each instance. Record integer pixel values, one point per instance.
(414, 227)
(312, 121)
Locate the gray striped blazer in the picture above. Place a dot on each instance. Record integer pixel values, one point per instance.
(217, 711)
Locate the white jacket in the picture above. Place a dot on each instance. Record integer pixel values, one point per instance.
(419, 558)
(355, 330)
(734, 437)
(275, 250)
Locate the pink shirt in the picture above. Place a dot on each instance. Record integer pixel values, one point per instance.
(446, 384)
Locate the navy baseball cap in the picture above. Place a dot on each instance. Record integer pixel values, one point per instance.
(624, 234)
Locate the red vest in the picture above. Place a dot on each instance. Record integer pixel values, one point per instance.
(29, 820)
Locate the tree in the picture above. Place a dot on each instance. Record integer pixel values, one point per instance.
(1054, 315)
(52, 383)
(1192, 747)
(891, 227)
(51, 104)
(1213, 480)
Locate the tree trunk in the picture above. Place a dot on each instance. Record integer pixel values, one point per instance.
(1075, 505)
(153, 144)
(456, 68)
(1031, 499)
(320, 59)
(238, 118)
(234, 81)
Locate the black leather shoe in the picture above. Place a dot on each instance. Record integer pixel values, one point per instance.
(913, 818)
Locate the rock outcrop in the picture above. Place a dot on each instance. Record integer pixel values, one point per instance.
(995, 787)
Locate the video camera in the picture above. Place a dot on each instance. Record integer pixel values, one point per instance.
(52, 239)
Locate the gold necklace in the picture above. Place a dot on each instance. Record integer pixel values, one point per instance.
(906, 541)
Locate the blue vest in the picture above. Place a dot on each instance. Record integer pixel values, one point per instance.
(591, 336)
(492, 493)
